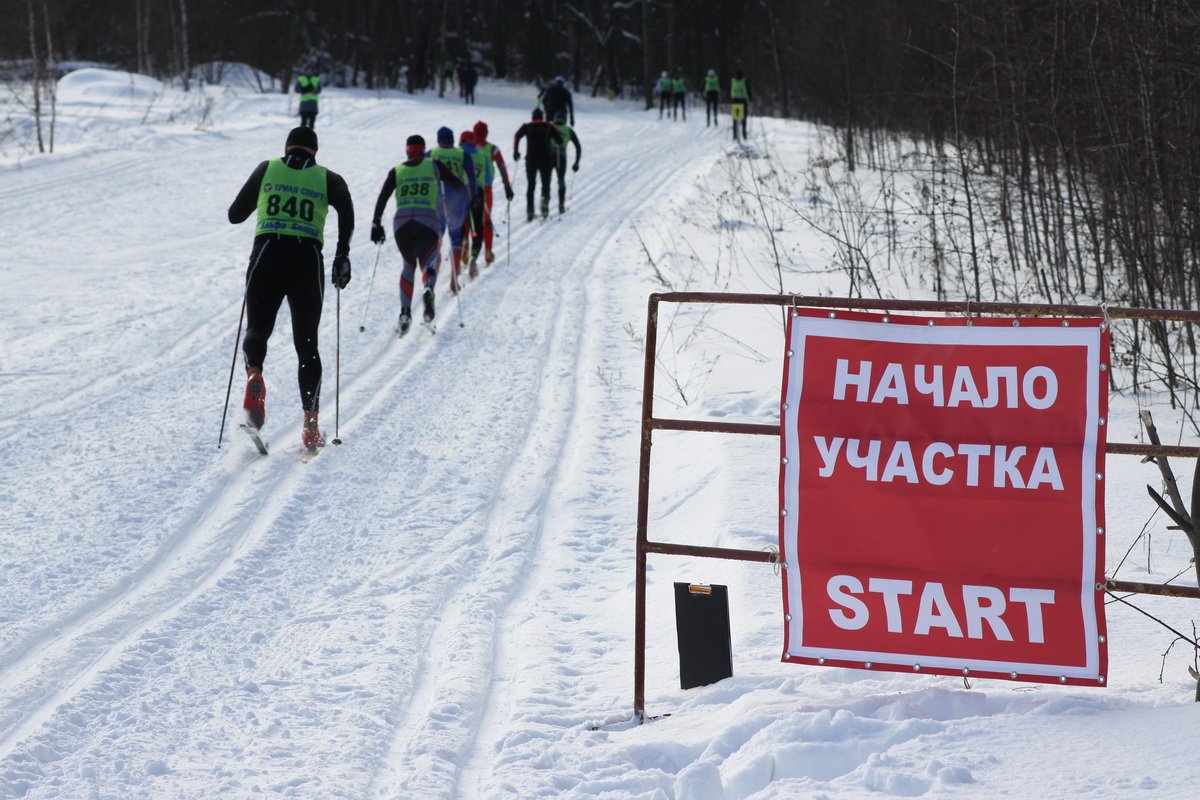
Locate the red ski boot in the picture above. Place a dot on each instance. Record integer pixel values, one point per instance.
(256, 399)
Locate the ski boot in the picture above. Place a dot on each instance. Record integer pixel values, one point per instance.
(488, 257)
(311, 434)
(405, 321)
(255, 402)
(427, 299)
(545, 207)
(473, 267)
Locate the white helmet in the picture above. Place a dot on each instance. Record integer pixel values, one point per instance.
(712, 72)
(665, 75)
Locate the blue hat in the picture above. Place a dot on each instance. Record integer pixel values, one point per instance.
(445, 137)
(560, 80)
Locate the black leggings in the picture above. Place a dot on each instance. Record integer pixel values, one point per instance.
(286, 267)
(532, 170)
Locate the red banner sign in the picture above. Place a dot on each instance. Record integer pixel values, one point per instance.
(941, 491)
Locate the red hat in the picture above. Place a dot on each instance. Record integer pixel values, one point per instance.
(481, 131)
(467, 137)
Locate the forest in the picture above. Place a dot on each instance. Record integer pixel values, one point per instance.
(1058, 138)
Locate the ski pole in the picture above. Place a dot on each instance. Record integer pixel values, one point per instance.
(337, 372)
(229, 389)
(370, 289)
(507, 231)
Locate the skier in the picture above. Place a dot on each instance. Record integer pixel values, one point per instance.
(712, 97)
(447, 76)
(539, 161)
(494, 160)
(679, 93)
(455, 199)
(560, 157)
(417, 224)
(557, 97)
(292, 196)
(469, 77)
(663, 90)
(475, 221)
(739, 99)
(308, 86)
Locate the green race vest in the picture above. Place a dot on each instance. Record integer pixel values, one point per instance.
(737, 89)
(293, 202)
(483, 167)
(711, 83)
(664, 85)
(677, 86)
(452, 159)
(309, 88)
(416, 186)
(565, 130)
(488, 150)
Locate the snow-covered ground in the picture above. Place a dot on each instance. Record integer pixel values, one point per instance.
(442, 607)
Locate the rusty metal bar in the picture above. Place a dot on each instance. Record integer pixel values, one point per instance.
(764, 429)
(714, 427)
(935, 306)
(1163, 589)
(643, 513)
(672, 549)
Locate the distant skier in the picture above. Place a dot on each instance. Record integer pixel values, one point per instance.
(469, 77)
(739, 101)
(712, 98)
(557, 97)
(679, 95)
(664, 91)
(540, 161)
(455, 199)
(475, 219)
(494, 158)
(292, 196)
(308, 86)
(417, 224)
(560, 157)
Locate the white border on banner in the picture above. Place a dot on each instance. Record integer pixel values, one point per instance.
(952, 334)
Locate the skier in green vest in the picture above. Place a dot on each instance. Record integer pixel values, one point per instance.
(456, 200)
(739, 100)
(418, 186)
(559, 152)
(292, 196)
(663, 89)
(712, 97)
(308, 86)
(679, 93)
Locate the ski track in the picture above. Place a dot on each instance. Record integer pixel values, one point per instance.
(488, 524)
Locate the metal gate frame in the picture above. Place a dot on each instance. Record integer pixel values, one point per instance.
(650, 423)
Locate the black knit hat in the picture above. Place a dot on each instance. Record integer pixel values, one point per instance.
(416, 139)
(302, 137)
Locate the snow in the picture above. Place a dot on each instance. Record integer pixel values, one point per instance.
(442, 607)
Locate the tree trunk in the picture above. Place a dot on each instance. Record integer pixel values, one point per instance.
(37, 77)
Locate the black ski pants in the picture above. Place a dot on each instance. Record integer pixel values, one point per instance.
(533, 168)
(288, 267)
(710, 107)
(560, 172)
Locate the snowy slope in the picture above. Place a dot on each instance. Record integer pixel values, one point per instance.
(442, 606)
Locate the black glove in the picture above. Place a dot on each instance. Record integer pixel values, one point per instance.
(575, 167)
(378, 236)
(516, 156)
(341, 271)
(509, 194)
